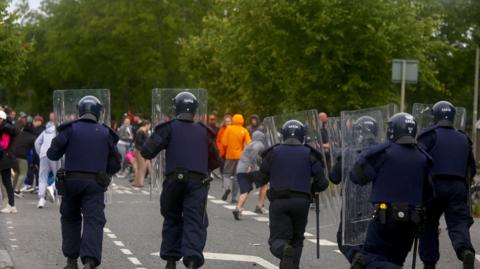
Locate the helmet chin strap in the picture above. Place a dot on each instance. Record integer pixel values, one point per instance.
(185, 116)
(89, 116)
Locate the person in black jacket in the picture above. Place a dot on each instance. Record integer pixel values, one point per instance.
(23, 144)
(7, 160)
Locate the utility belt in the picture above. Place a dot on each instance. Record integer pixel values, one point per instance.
(184, 175)
(399, 212)
(102, 179)
(286, 194)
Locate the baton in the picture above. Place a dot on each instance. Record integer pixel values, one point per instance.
(317, 211)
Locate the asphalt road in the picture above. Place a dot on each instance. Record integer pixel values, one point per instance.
(133, 234)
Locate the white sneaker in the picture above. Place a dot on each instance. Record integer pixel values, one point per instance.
(9, 210)
(27, 188)
(41, 203)
(50, 193)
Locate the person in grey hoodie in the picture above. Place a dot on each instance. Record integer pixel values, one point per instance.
(247, 174)
(42, 144)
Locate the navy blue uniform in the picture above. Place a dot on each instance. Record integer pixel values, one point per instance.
(89, 149)
(290, 169)
(400, 177)
(451, 151)
(190, 154)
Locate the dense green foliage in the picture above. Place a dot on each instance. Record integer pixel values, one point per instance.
(263, 56)
(13, 52)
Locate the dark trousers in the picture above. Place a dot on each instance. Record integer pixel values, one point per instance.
(184, 234)
(83, 197)
(387, 245)
(7, 182)
(451, 198)
(288, 219)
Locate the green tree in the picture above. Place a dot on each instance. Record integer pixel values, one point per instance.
(13, 52)
(127, 46)
(270, 56)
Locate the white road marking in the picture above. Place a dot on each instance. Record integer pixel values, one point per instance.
(11, 227)
(337, 251)
(478, 257)
(128, 192)
(218, 202)
(119, 243)
(145, 192)
(324, 242)
(230, 207)
(13, 239)
(308, 234)
(14, 246)
(112, 236)
(134, 260)
(126, 251)
(106, 230)
(234, 258)
(249, 213)
(211, 197)
(119, 192)
(239, 258)
(262, 219)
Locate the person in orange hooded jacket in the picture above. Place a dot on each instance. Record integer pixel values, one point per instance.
(234, 140)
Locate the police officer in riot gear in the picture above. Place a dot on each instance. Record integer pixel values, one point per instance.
(191, 154)
(290, 167)
(91, 157)
(399, 172)
(453, 170)
(366, 132)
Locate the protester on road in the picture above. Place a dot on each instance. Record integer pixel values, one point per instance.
(126, 138)
(234, 141)
(42, 144)
(22, 145)
(248, 164)
(142, 165)
(255, 124)
(7, 161)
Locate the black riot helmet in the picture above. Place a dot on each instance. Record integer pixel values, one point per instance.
(293, 129)
(365, 129)
(402, 129)
(443, 113)
(90, 105)
(185, 103)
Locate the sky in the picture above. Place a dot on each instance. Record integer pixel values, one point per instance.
(34, 4)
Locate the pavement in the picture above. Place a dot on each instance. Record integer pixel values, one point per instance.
(132, 235)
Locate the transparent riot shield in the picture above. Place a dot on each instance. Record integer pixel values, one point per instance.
(334, 139)
(329, 200)
(361, 129)
(423, 115)
(65, 103)
(65, 106)
(162, 111)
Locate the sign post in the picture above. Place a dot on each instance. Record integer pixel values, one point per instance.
(403, 72)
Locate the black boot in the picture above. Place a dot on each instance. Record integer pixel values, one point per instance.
(192, 265)
(428, 266)
(468, 258)
(357, 262)
(287, 258)
(89, 264)
(225, 194)
(171, 264)
(71, 264)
